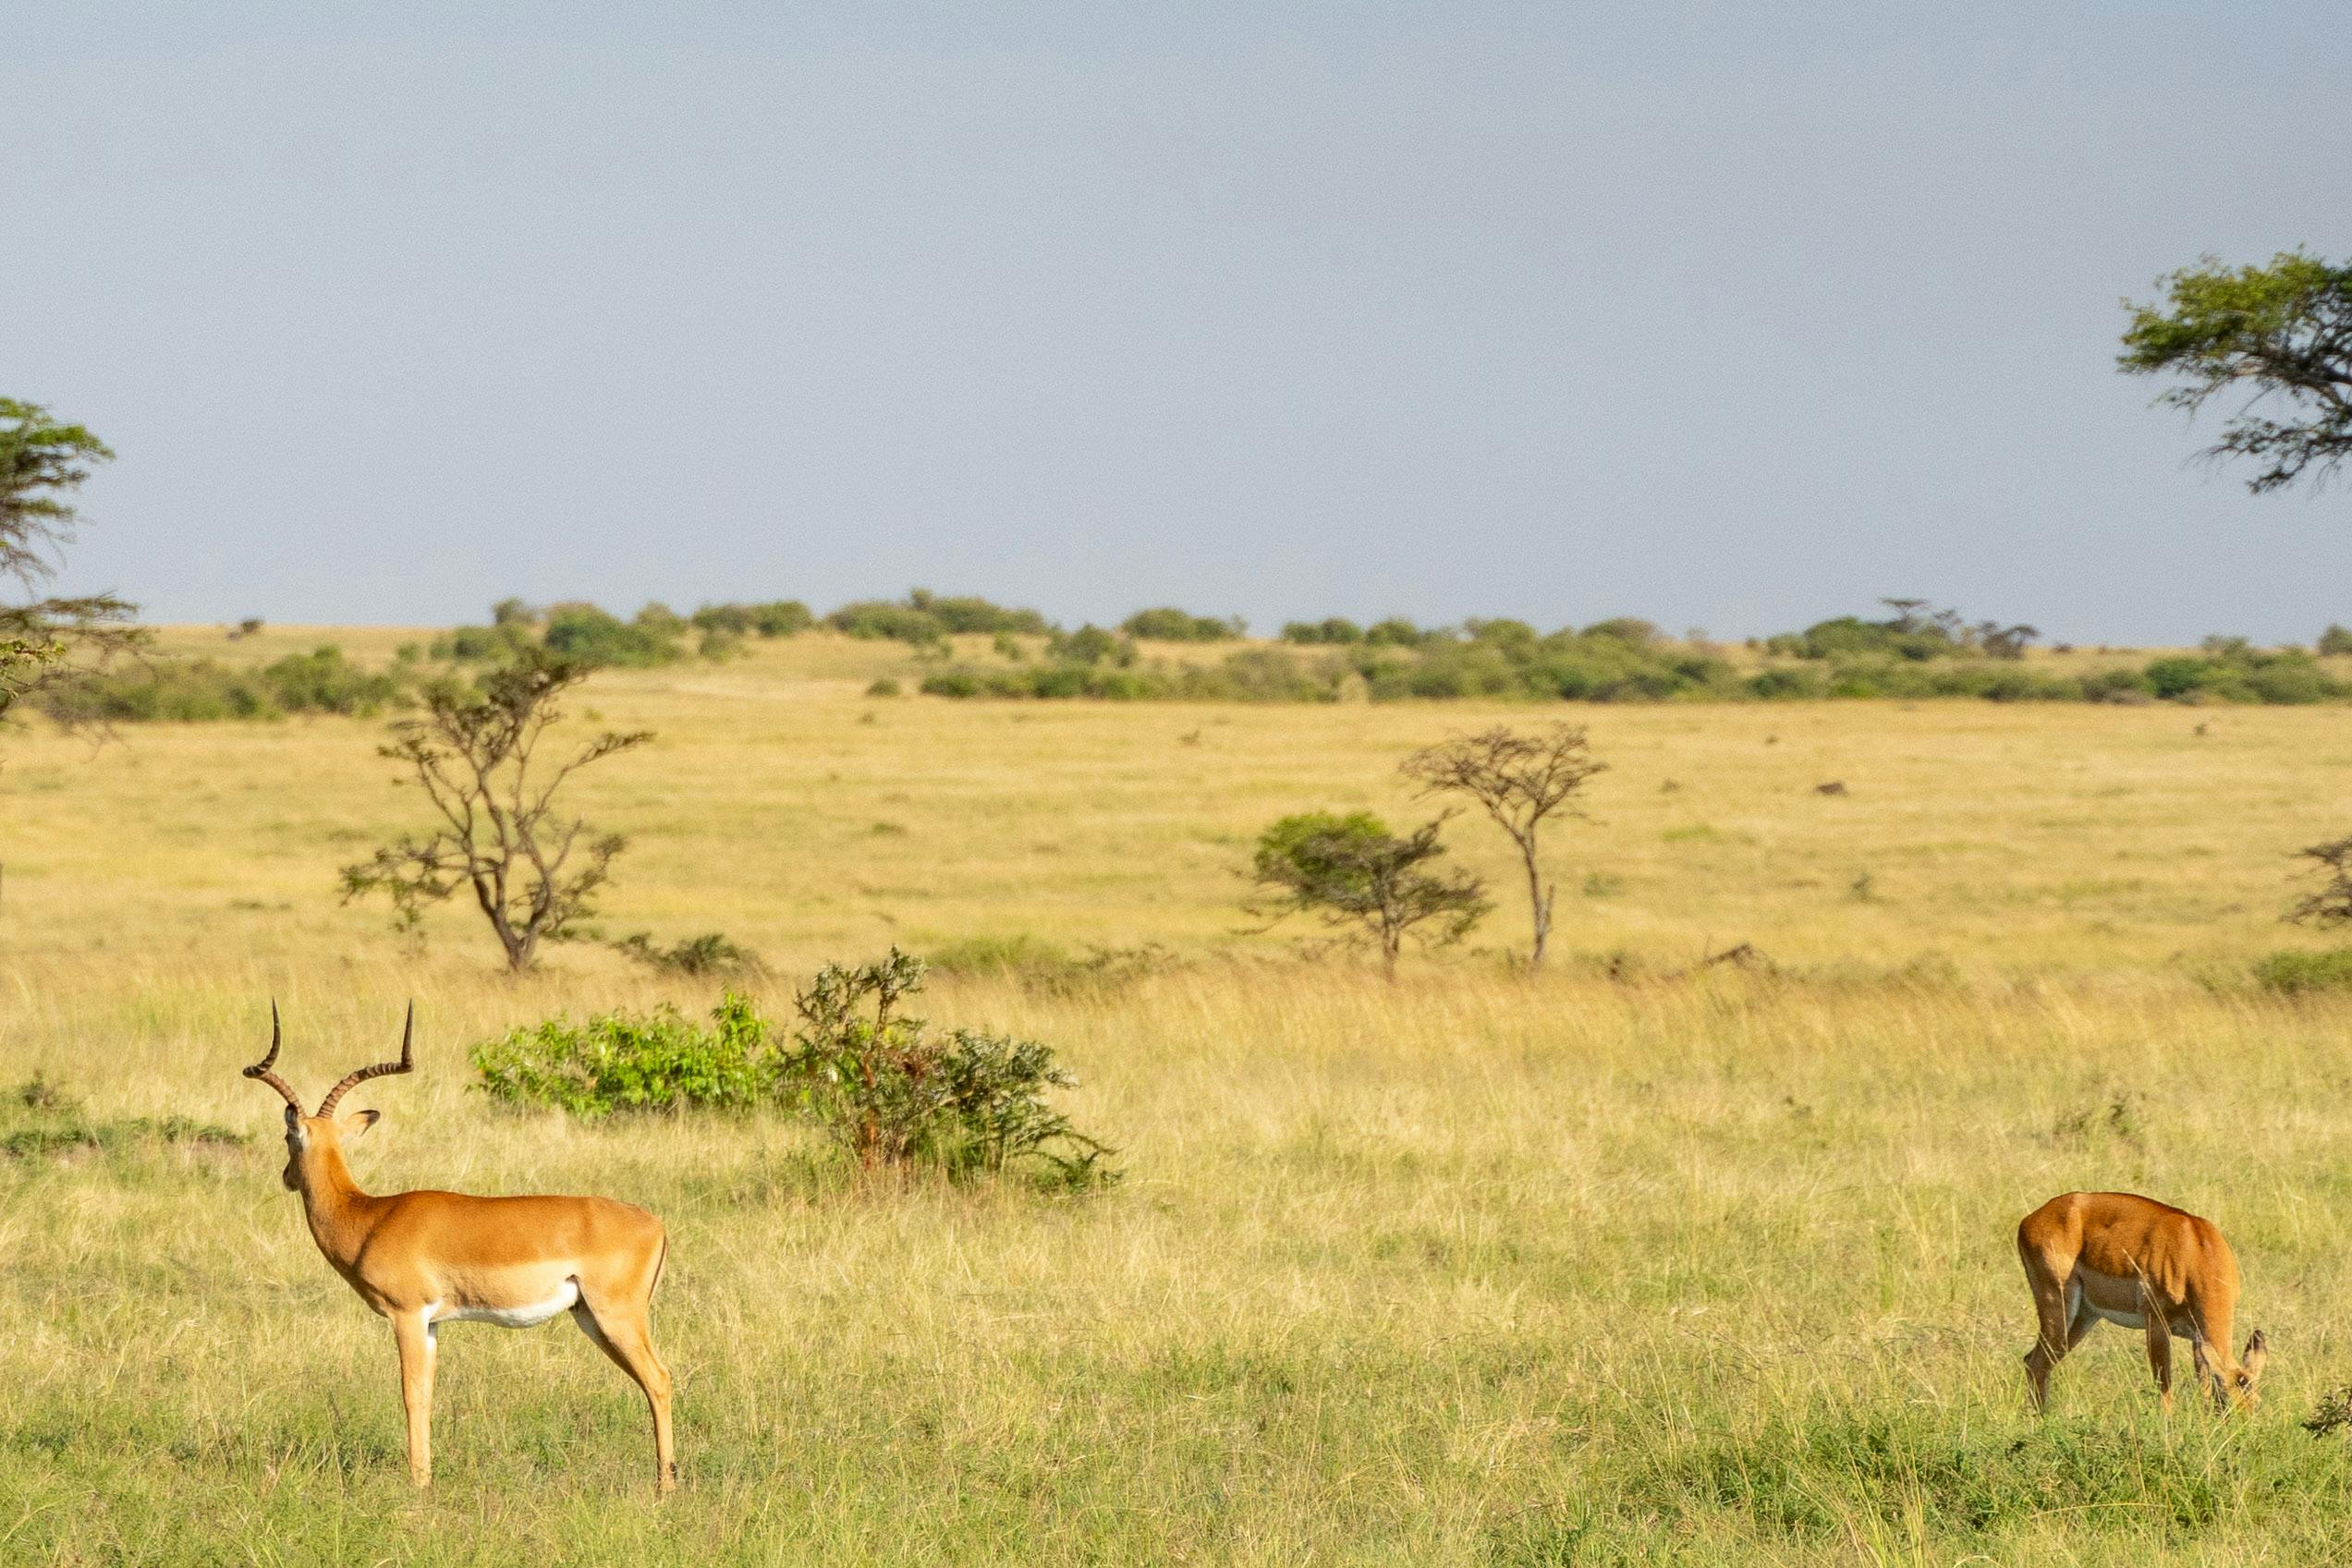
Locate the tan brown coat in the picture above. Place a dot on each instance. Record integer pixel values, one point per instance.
(2117, 1258)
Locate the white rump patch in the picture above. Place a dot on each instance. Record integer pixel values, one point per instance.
(522, 1315)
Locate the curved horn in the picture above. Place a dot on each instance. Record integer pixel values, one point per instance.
(405, 1064)
(261, 1069)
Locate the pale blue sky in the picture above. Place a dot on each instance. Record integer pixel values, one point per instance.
(1729, 316)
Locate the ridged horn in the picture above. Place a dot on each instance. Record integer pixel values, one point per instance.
(406, 1064)
(261, 1069)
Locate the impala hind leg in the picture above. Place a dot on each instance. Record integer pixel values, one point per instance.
(2061, 1325)
(2160, 1351)
(414, 1335)
(625, 1334)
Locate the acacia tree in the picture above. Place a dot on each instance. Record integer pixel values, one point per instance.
(2330, 904)
(42, 464)
(532, 873)
(2282, 334)
(1355, 874)
(1519, 780)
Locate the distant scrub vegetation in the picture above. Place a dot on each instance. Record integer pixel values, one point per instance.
(1167, 625)
(323, 681)
(1912, 654)
(925, 617)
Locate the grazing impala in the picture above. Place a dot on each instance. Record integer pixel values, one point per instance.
(2144, 1264)
(424, 1257)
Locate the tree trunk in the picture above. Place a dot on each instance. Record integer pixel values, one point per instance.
(1539, 899)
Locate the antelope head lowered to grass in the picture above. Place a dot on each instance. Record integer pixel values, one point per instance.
(424, 1257)
(2112, 1255)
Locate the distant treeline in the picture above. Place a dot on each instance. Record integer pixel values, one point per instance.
(1625, 662)
(1914, 652)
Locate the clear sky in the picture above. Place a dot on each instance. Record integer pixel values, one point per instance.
(1731, 316)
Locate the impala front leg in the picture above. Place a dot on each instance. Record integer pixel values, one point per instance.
(414, 1332)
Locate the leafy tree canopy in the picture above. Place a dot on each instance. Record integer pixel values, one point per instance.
(2281, 332)
(42, 462)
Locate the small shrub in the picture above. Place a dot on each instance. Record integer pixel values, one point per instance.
(580, 632)
(38, 1093)
(1086, 646)
(1168, 624)
(1047, 969)
(53, 1122)
(593, 637)
(886, 687)
(2296, 971)
(782, 617)
(892, 1093)
(2333, 1413)
(885, 1087)
(924, 617)
(709, 954)
(199, 691)
(2335, 640)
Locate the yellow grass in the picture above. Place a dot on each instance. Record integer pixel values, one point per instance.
(1475, 1269)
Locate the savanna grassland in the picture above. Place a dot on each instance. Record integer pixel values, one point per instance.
(1610, 1264)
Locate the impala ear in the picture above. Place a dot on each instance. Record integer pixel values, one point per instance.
(2250, 1365)
(356, 1123)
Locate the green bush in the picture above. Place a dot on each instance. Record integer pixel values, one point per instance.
(2296, 970)
(781, 617)
(1785, 682)
(885, 1088)
(924, 617)
(580, 632)
(2336, 640)
(1338, 629)
(40, 1118)
(709, 954)
(615, 1062)
(1252, 674)
(1088, 645)
(472, 645)
(592, 637)
(1168, 624)
(1051, 970)
(196, 690)
(891, 1092)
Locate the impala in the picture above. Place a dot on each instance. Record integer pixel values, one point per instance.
(424, 1257)
(2145, 1265)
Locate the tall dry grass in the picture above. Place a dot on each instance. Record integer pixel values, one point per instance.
(1479, 1268)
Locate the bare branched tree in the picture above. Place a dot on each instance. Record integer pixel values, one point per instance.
(2330, 904)
(1521, 780)
(532, 873)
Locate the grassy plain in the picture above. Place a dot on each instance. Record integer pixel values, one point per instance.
(1603, 1265)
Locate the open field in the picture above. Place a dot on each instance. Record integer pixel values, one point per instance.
(1477, 1268)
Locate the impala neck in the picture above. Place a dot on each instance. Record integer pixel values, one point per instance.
(332, 1202)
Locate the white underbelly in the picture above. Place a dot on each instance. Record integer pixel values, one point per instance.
(2077, 1299)
(520, 1315)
